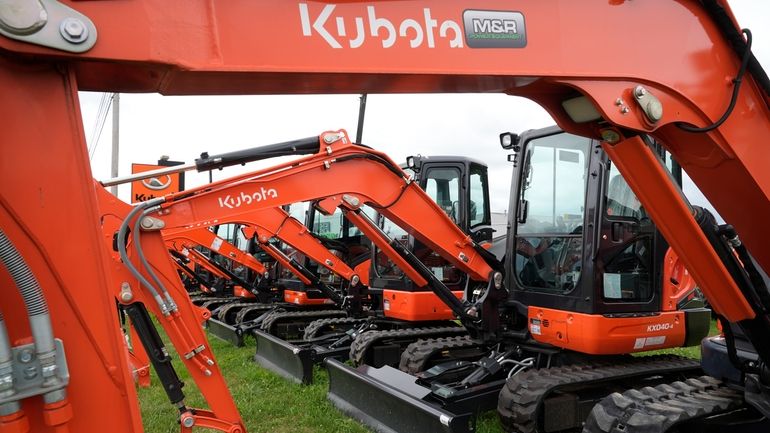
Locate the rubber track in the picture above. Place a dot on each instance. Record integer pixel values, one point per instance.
(659, 408)
(240, 317)
(206, 298)
(217, 302)
(224, 309)
(417, 354)
(269, 323)
(367, 339)
(314, 327)
(521, 398)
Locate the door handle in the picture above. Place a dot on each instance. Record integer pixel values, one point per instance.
(617, 232)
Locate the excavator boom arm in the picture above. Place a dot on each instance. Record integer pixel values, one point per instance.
(342, 171)
(210, 241)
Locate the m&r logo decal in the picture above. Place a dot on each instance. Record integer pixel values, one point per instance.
(494, 29)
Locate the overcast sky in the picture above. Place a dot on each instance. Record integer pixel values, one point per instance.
(458, 124)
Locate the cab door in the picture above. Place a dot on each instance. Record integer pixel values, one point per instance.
(625, 270)
(551, 231)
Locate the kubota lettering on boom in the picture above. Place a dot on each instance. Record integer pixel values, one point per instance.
(245, 198)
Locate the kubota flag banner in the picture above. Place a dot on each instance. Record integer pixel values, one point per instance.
(156, 186)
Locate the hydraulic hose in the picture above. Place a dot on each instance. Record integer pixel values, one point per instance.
(6, 372)
(143, 260)
(122, 233)
(37, 310)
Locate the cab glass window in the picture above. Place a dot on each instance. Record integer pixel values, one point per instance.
(443, 186)
(549, 234)
(621, 201)
(478, 208)
(554, 184)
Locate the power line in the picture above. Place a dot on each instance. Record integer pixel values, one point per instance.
(97, 118)
(101, 118)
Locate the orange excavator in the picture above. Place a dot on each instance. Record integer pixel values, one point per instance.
(305, 294)
(315, 297)
(399, 312)
(263, 225)
(691, 84)
(589, 280)
(185, 244)
(396, 196)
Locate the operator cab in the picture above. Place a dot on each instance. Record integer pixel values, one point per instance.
(582, 246)
(459, 186)
(594, 255)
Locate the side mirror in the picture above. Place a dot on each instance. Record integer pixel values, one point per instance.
(510, 141)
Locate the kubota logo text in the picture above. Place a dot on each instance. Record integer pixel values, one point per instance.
(353, 31)
(232, 202)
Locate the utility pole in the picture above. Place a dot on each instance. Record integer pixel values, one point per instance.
(361, 113)
(115, 139)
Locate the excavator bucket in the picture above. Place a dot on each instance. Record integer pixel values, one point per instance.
(277, 355)
(389, 401)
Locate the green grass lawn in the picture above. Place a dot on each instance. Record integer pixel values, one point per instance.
(269, 403)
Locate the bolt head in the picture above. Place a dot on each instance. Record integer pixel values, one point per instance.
(73, 30)
(640, 91)
(26, 356)
(498, 280)
(188, 421)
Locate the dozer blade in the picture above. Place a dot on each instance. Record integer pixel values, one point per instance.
(223, 331)
(389, 401)
(277, 355)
